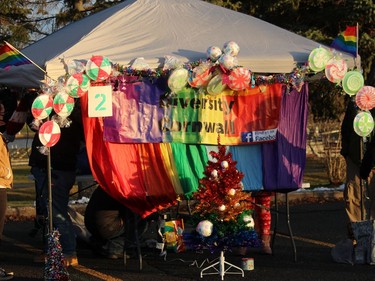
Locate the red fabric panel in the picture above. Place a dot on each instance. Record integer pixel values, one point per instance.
(259, 110)
(131, 173)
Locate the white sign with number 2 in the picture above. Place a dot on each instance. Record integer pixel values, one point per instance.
(100, 101)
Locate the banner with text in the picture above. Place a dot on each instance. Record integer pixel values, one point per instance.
(191, 116)
(244, 117)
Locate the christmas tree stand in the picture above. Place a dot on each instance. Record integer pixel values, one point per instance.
(219, 268)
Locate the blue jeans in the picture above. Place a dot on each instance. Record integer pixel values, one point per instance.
(61, 184)
(41, 191)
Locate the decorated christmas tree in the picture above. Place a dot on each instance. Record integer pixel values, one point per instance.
(54, 266)
(223, 211)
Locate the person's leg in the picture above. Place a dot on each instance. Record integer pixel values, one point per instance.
(41, 197)
(264, 220)
(3, 209)
(109, 223)
(62, 182)
(371, 195)
(41, 209)
(114, 247)
(352, 196)
(111, 228)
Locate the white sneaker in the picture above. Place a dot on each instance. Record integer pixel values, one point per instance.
(5, 275)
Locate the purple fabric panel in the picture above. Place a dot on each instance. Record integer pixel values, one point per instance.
(136, 113)
(284, 160)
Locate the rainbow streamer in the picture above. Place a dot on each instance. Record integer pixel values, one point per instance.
(347, 41)
(11, 57)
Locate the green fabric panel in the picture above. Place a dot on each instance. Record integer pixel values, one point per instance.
(184, 113)
(190, 161)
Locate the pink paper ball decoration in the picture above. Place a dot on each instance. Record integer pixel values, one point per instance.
(63, 104)
(49, 133)
(365, 98)
(42, 106)
(199, 77)
(239, 79)
(77, 85)
(98, 68)
(335, 70)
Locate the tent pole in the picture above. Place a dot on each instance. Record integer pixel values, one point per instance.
(49, 190)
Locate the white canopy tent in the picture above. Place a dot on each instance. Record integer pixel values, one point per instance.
(153, 29)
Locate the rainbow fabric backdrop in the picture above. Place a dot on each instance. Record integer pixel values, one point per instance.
(9, 56)
(149, 176)
(347, 41)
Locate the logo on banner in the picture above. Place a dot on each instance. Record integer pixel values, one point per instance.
(258, 136)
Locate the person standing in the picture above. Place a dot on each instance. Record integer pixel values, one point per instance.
(352, 147)
(6, 173)
(63, 173)
(6, 181)
(366, 172)
(21, 116)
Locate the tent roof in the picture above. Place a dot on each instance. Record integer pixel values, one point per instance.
(153, 29)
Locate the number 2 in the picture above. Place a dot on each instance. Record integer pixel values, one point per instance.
(100, 106)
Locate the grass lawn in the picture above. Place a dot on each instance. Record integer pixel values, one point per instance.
(315, 173)
(23, 193)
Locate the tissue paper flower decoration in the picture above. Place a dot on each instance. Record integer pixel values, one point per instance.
(231, 48)
(204, 228)
(214, 53)
(228, 62)
(140, 64)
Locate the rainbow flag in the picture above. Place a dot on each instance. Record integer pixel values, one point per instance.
(10, 56)
(347, 41)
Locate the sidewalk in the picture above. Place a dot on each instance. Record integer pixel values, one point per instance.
(318, 195)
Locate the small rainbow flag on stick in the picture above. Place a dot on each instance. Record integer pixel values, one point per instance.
(347, 41)
(10, 56)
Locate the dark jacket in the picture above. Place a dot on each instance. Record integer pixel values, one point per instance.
(368, 161)
(8, 103)
(361, 154)
(350, 140)
(64, 152)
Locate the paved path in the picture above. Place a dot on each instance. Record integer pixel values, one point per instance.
(316, 228)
